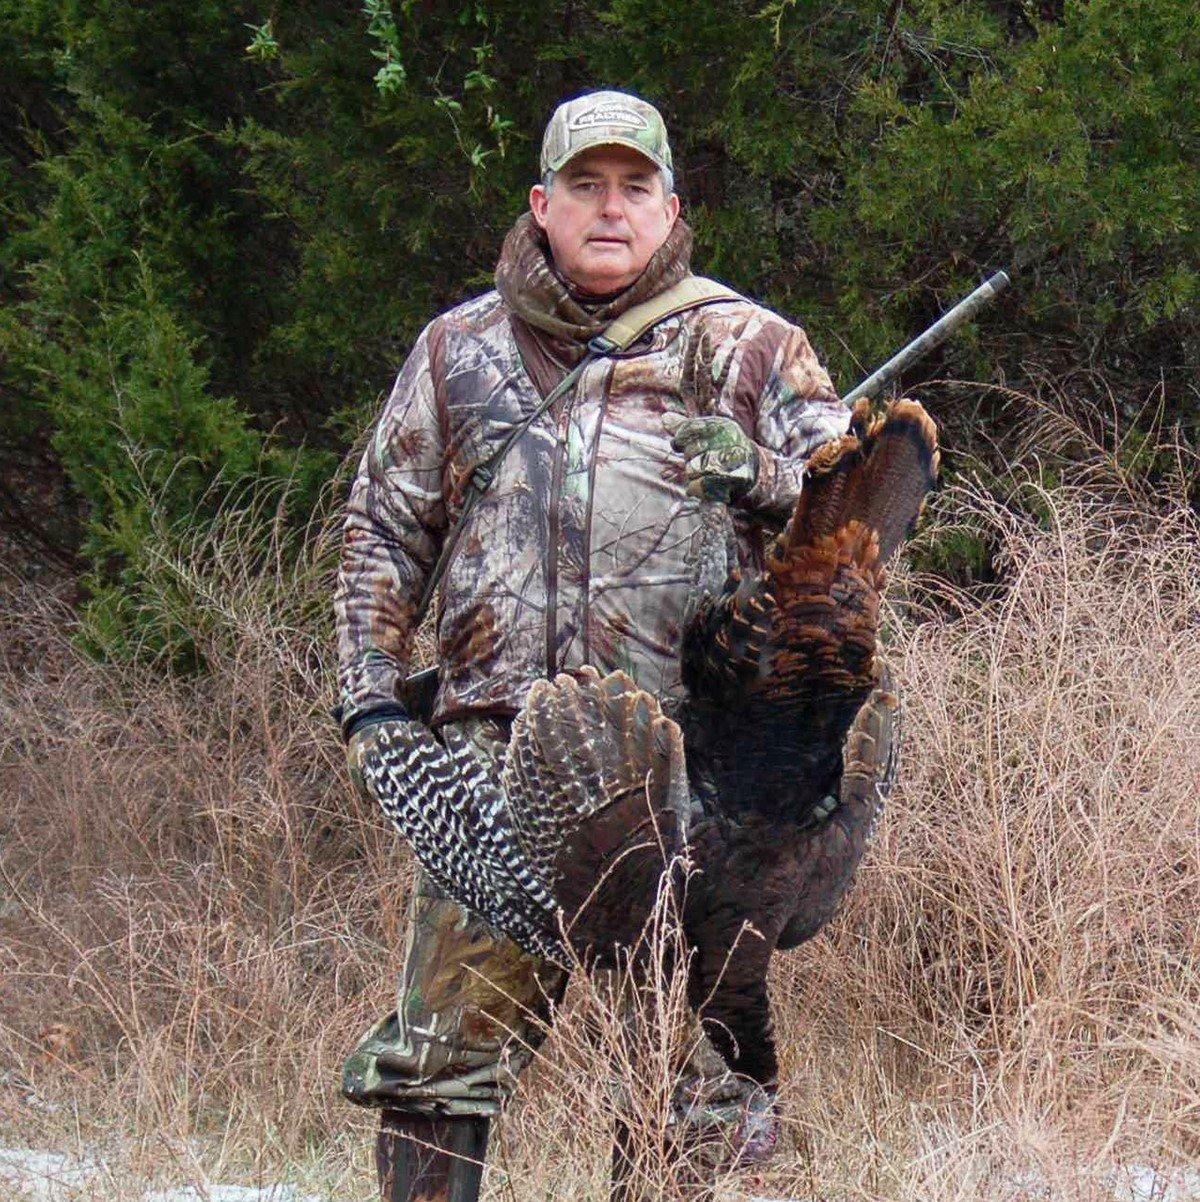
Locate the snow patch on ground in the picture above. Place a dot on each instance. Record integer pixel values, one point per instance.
(37, 1176)
(1139, 1183)
(1132, 1183)
(231, 1193)
(46, 1175)
(52, 1177)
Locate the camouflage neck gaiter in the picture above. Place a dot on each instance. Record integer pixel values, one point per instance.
(533, 289)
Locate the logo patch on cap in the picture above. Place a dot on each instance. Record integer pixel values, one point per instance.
(607, 115)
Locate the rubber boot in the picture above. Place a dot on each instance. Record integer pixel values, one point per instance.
(422, 1159)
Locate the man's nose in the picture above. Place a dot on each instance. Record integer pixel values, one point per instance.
(612, 202)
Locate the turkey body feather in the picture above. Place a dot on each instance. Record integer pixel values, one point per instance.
(786, 706)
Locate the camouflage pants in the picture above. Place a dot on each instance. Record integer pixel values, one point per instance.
(471, 1010)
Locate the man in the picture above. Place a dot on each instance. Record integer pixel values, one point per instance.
(580, 552)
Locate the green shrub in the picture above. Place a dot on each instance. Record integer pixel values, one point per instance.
(225, 224)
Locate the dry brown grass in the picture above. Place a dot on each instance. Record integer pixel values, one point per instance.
(1021, 955)
(198, 917)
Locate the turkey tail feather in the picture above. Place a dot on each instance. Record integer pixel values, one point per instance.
(877, 475)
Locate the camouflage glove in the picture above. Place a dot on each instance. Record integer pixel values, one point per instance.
(722, 461)
(364, 734)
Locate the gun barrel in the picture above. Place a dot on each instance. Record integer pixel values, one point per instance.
(937, 333)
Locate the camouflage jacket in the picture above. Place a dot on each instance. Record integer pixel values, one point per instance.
(581, 551)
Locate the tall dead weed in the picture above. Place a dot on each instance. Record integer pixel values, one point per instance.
(198, 916)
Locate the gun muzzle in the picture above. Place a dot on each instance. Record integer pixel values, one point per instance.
(937, 333)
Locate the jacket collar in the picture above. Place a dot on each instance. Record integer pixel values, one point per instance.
(531, 287)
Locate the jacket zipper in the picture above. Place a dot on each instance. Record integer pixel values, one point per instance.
(585, 616)
(556, 484)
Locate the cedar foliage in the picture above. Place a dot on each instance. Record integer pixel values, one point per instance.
(225, 222)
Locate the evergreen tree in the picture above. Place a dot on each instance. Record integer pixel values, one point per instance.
(225, 222)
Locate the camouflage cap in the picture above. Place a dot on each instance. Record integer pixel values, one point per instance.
(604, 119)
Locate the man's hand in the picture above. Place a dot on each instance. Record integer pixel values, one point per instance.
(366, 735)
(722, 461)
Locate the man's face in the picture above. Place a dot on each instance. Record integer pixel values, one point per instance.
(604, 217)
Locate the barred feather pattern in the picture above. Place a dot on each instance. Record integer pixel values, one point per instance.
(457, 823)
(597, 782)
(582, 745)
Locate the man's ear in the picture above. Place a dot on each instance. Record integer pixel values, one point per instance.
(673, 207)
(539, 201)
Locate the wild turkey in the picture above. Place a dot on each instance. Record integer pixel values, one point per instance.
(787, 715)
